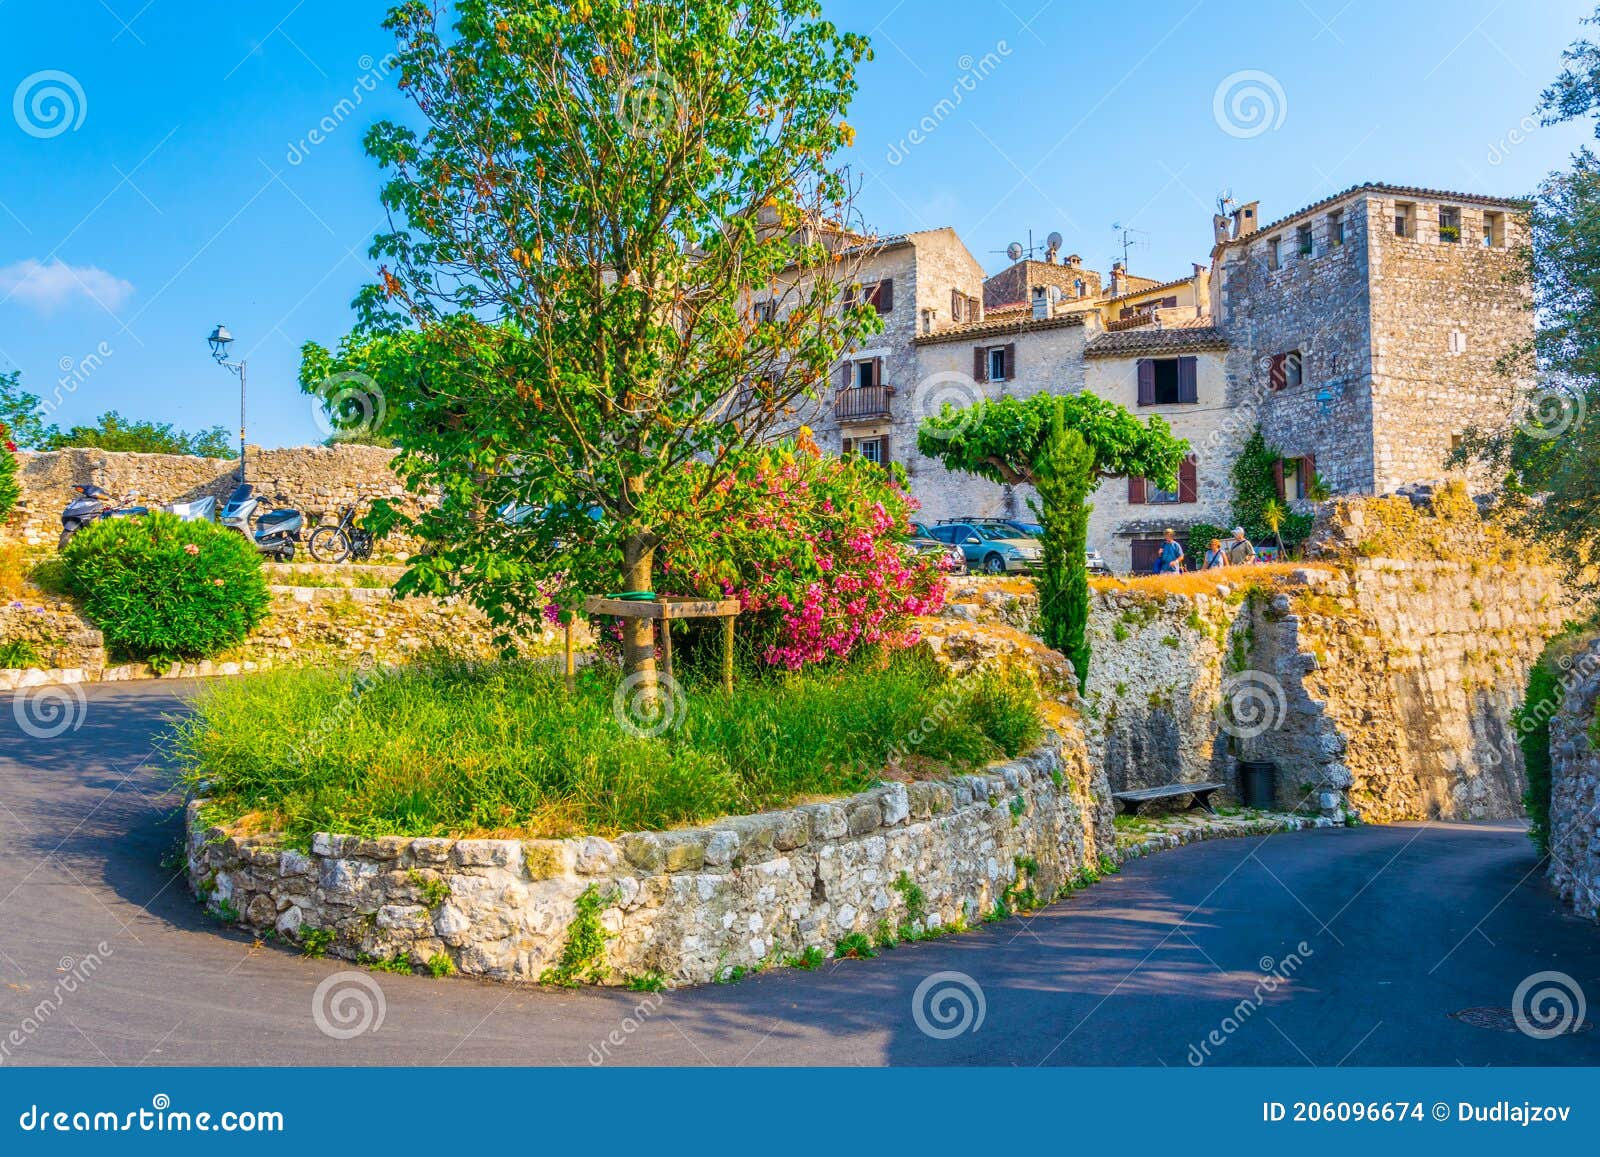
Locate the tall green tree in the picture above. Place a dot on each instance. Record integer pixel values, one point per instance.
(1062, 446)
(111, 431)
(1548, 456)
(587, 222)
(19, 411)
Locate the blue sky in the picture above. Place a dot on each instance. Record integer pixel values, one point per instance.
(184, 189)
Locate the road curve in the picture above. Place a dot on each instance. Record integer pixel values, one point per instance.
(1373, 938)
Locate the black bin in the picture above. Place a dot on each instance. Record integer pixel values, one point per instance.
(1258, 783)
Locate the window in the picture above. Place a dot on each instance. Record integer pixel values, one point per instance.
(927, 321)
(1457, 341)
(865, 376)
(1304, 241)
(1167, 381)
(766, 312)
(1336, 228)
(962, 307)
(1143, 492)
(872, 449)
(1285, 370)
(1404, 212)
(1274, 258)
(1077, 287)
(1493, 230)
(1294, 477)
(997, 364)
(1449, 224)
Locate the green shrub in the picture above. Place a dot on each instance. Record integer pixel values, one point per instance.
(452, 748)
(18, 653)
(162, 589)
(1546, 689)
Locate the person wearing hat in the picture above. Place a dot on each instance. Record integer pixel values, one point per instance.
(1241, 551)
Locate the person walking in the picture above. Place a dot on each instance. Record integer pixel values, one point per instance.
(1170, 560)
(1241, 551)
(1216, 557)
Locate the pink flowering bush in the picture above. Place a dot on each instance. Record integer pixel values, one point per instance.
(813, 548)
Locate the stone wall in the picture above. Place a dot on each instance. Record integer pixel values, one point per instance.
(306, 626)
(1383, 676)
(687, 905)
(317, 480)
(1575, 783)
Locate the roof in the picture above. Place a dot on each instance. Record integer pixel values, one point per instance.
(1401, 190)
(1014, 322)
(895, 240)
(1184, 339)
(1142, 290)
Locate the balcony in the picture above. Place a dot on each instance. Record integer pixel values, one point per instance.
(862, 403)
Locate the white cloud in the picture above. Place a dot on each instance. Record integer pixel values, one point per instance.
(47, 286)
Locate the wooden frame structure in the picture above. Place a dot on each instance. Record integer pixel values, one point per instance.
(663, 611)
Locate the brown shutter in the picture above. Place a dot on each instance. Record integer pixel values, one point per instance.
(1188, 481)
(1011, 361)
(1147, 382)
(848, 375)
(877, 371)
(883, 451)
(1277, 476)
(884, 297)
(1276, 376)
(844, 447)
(1135, 491)
(980, 364)
(956, 312)
(1308, 472)
(1188, 384)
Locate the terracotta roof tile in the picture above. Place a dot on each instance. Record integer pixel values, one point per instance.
(1181, 339)
(1021, 321)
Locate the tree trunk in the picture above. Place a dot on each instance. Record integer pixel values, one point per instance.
(638, 635)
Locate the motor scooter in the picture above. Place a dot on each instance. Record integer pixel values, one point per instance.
(277, 528)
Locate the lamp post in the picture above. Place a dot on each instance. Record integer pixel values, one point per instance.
(220, 340)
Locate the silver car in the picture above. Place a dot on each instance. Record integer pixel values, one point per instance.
(990, 546)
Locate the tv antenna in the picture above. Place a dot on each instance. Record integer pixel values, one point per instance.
(1128, 241)
(1016, 251)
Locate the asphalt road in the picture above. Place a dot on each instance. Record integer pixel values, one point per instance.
(1374, 937)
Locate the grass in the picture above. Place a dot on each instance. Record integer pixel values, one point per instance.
(451, 748)
(1202, 582)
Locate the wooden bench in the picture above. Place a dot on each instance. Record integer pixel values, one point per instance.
(1132, 801)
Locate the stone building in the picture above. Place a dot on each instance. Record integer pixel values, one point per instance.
(1361, 332)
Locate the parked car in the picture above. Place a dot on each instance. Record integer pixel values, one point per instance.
(1093, 559)
(923, 541)
(991, 546)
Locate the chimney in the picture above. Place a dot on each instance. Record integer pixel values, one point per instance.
(1074, 261)
(1119, 278)
(1041, 303)
(1246, 220)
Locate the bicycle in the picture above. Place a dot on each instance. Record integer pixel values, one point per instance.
(345, 539)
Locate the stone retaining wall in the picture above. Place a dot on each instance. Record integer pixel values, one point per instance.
(1575, 783)
(317, 480)
(687, 905)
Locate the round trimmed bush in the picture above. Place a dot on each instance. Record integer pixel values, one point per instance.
(162, 589)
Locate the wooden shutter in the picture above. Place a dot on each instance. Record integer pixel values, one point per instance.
(1188, 380)
(1277, 477)
(1135, 491)
(957, 315)
(883, 452)
(980, 364)
(850, 295)
(1308, 471)
(1276, 375)
(848, 377)
(1188, 481)
(1011, 361)
(1147, 382)
(845, 447)
(877, 371)
(883, 295)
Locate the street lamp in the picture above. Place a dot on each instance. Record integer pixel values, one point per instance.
(220, 340)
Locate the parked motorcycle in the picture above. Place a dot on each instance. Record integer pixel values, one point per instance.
(94, 504)
(345, 539)
(277, 527)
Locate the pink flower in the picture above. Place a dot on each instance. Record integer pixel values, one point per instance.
(190, 548)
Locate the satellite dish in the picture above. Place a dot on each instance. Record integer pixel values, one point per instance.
(1053, 241)
(1014, 250)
